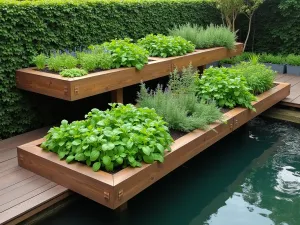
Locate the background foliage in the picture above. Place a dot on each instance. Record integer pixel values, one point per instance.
(31, 27)
(275, 28)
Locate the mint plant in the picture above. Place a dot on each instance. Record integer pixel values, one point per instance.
(119, 137)
(124, 53)
(226, 86)
(166, 46)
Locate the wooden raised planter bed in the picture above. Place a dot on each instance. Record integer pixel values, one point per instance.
(113, 190)
(72, 89)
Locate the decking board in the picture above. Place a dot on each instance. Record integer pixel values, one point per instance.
(293, 100)
(23, 193)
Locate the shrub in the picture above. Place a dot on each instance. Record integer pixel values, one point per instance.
(122, 136)
(178, 105)
(124, 53)
(293, 60)
(40, 61)
(75, 72)
(245, 56)
(269, 58)
(59, 61)
(259, 77)
(166, 46)
(226, 86)
(209, 37)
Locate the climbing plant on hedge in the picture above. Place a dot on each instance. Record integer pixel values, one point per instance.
(32, 27)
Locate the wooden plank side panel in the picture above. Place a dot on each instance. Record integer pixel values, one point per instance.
(130, 181)
(102, 82)
(203, 57)
(86, 182)
(50, 86)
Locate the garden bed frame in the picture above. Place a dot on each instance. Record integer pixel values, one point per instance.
(72, 89)
(114, 190)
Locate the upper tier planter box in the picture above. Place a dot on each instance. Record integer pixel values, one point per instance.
(113, 190)
(76, 88)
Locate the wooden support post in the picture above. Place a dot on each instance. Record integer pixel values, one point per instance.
(117, 95)
(201, 69)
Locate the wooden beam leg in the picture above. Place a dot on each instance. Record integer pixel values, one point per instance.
(117, 95)
(201, 69)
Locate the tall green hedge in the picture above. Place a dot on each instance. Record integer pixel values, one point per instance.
(31, 27)
(276, 27)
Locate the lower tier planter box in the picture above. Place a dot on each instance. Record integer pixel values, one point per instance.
(293, 70)
(279, 68)
(113, 190)
(72, 89)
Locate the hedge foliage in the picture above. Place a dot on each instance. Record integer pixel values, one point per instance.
(32, 27)
(276, 27)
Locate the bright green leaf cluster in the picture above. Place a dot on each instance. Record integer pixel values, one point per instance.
(293, 60)
(120, 137)
(75, 72)
(270, 58)
(226, 86)
(125, 53)
(259, 77)
(166, 46)
(209, 37)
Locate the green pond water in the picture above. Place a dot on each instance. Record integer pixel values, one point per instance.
(251, 177)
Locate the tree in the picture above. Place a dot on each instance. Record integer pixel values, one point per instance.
(249, 8)
(230, 10)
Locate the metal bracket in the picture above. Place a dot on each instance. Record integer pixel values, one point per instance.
(120, 194)
(65, 90)
(76, 90)
(106, 195)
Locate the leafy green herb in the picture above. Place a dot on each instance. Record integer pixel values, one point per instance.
(40, 61)
(58, 61)
(75, 72)
(119, 137)
(209, 37)
(166, 46)
(259, 77)
(226, 86)
(124, 53)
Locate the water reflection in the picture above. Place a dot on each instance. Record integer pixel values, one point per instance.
(267, 191)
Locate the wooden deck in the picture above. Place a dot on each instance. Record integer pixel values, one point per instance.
(23, 193)
(293, 99)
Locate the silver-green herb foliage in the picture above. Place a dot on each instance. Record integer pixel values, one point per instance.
(119, 137)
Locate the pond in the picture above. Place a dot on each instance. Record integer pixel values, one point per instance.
(251, 177)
